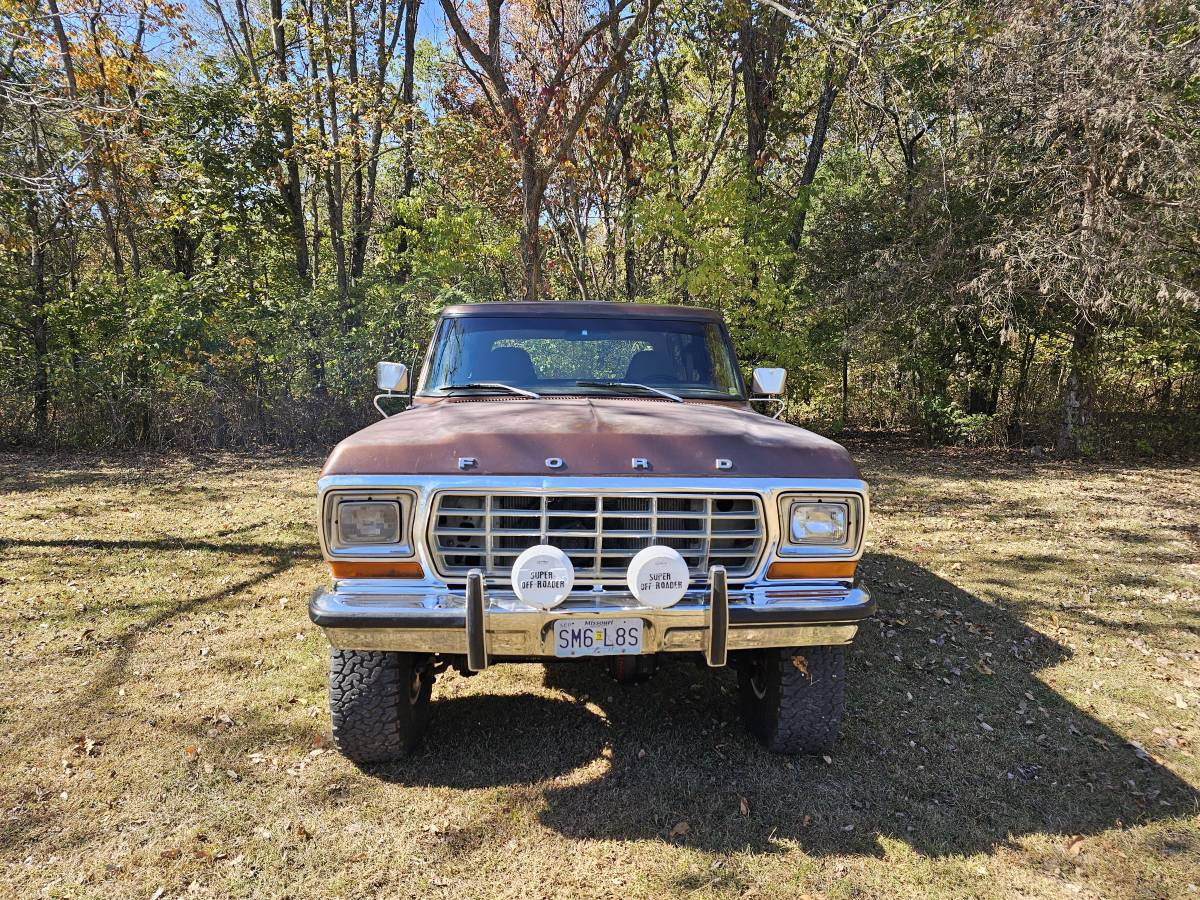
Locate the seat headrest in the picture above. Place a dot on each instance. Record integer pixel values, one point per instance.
(510, 365)
(649, 367)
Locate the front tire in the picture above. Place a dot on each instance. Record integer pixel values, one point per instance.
(379, 703)
(793, 698)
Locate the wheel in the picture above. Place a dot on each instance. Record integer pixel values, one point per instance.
(632, 669)
(379, 703)
(793, 698)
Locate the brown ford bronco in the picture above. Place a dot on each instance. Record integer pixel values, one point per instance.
(578, 480)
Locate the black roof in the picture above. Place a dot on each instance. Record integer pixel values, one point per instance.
(545, 308)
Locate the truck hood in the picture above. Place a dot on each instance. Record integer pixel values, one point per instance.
(591, 436)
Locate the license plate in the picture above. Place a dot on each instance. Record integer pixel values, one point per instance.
(597, 637)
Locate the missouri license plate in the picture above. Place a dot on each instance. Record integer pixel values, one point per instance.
(597, 637)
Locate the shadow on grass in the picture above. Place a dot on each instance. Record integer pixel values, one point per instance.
(271, 553)
(483, 740)
(952, 744)
(97, 693)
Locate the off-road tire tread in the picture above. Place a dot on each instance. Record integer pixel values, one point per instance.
(808, 707)
(373, 720)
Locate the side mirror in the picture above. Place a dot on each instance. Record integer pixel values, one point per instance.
(768, 381)
(391, 377)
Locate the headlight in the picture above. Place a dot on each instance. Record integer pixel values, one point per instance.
(368, 522)
(819, 523)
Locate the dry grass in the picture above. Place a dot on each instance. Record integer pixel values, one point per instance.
(1023, 718)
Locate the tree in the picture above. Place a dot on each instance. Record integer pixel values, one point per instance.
(1104, 161)
(542, 68)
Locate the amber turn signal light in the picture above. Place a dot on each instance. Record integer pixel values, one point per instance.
(779, 571)
(376, 570)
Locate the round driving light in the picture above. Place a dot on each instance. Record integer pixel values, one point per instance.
(543, 576)
(658, 577)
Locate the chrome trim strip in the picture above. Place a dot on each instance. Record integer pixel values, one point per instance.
(333, 548)
(856, 509)
(673, 640)
(591, 482)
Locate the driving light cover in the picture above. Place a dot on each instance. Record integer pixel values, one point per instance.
(543, 576)
(368, 522)
(658, 576)
(819, 523)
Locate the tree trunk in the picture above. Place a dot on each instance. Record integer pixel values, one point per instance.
(845, 382)
(292, 196)
(407, 94)
(1079, 400)
(358, 212)
(629, 259)
(1016, 427)
(816, 148)
(333, 173)
(183, 252)
(756, 103)
(532, 188)
(38, 326)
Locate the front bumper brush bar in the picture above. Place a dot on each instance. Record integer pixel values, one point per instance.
(484, 624)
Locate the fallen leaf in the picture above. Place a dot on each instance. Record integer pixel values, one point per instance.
(191, 752)
(743, 806)
(679, 830)
(828, 760)
(1140, 752)
(170, 853)
(983, 668)
(86, 746)
(801, 663)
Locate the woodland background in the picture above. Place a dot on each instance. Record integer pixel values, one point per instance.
(979, 222)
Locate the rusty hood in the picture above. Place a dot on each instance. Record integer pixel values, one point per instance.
(591, 436)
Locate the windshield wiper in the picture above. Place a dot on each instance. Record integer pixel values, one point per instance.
(630, 384)
(492, 385)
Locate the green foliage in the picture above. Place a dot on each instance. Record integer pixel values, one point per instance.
(938, 274)
(946, 423)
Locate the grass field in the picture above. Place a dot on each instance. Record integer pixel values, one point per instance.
(1023, 718)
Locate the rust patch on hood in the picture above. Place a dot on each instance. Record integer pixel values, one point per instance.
(591, 436)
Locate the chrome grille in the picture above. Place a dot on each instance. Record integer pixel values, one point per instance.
(599, 532)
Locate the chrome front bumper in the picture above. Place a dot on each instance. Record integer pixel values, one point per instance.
(376, 615)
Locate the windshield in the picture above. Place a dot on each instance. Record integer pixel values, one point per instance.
(551, 355)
